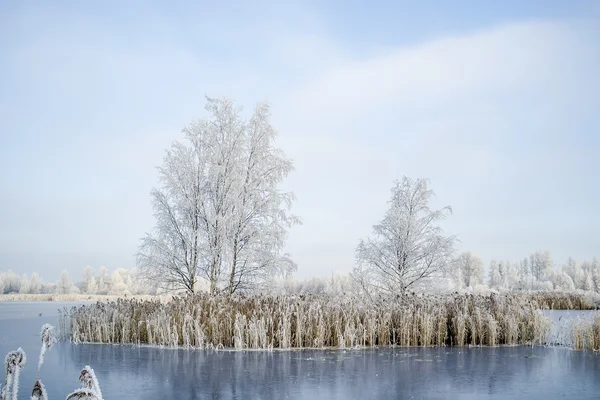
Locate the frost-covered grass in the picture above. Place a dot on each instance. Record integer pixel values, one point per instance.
(548, 299)
(72, 297)
(267, 322)
(15, 361)
(554, 300)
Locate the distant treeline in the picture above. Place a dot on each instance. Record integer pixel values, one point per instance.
(537, 272)
(120, 282)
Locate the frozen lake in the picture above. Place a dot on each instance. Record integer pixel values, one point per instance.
(148, 373)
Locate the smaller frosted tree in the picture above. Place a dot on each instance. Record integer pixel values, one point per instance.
(24, 289)
(494, 277)
(89, 281)
(103, 282)
(64, 284)
(525, 280)
(408, 247)
(591, 270)
(560, 280)
(35, 283)
(117, 286)
(121, 282)
(10, 282)
(588, 283)
(469, 270)
(595, 271)
(577, 274)
(540, 264)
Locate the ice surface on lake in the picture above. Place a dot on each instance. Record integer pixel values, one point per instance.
(387, 373)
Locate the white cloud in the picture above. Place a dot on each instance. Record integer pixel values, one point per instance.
(502, 61)
(482, 115)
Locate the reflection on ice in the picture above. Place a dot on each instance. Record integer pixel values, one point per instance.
(380, 373)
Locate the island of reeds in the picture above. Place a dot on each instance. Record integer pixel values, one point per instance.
(309, 321)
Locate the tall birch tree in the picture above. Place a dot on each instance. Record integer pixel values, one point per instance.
(220, 215)
(407, 246)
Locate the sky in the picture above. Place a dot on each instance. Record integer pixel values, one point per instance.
(496, 103)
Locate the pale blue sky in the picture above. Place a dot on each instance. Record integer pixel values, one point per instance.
(496, 102)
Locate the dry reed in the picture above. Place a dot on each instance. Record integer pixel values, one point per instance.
(268, 322)
(554, 300)
(586, 333)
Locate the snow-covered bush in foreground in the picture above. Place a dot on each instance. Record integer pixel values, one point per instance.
(15, 360)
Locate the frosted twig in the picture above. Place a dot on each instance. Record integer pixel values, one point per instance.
(39, 391)
(89, 381)
(14, 362)
(83, 393)
(48, 339)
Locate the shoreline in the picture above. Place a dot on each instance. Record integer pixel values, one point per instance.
(327, 348)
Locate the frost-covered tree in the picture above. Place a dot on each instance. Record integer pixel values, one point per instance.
(494, 277)
(595, 272)
(219, 213)
(560, 280)
(541, 264)
(588, 283)
(118, 285)
(122, 282)
(24, 287)
(10, 282)
(89, 281)
(525, 275)
(259, 216)
(468, 270)
(103, 281)
(591, 272)
(35, 283)
(64, 285)
(534, 271)
(503, 275)
(577, 273)
(408, 246)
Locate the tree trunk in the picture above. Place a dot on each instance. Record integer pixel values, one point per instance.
(233, 266)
